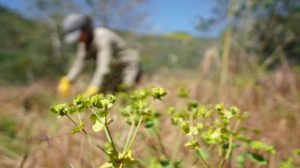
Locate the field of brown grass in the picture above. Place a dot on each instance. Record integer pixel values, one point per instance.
(32, 137)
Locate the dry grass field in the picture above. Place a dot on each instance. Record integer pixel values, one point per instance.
(32, 137)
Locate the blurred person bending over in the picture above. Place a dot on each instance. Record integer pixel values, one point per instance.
(116, 64)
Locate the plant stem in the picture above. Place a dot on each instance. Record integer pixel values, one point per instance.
(135, 132)
(108, 134)
(88, 136)
(230, 140)
(79, 117)
(129, 135)
(137, 127)
(163, 150)
(204, 161)
(229, 151)
(106, 129)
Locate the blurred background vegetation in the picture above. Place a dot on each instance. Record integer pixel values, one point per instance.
(31, 47)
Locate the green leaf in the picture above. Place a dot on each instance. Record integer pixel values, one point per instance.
(98, 126)
(258, 145)
(149, 123)
(127, 158)
(202, 153)
(93, 117)
(296, 151)
(107, 165)
(78, 128)
(287, 164)
(177, 164)
(165, 163)
(257, 158)
(192, 105)
(241, 159)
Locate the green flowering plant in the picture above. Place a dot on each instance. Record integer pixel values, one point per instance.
(214, 133)
(291, 161)
(137, 112)
(97, 107)
(137, 109)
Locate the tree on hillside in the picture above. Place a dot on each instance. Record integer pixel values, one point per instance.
(261, 27)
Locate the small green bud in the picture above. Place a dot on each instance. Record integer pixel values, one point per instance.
(96, 101)
(126, 111)
(158, 92)
(257, 145)
(199, 126)
(194, 131)
(183, 92)
(193, 144)
(175, 120)
(60, 109)
(244, 116)
(192, 105)
(185, 127)
(99, 101)
(171, 110)
(106, 104)
(212, 136)
(227, 114)
(81, 102)
(203, 112)
(126, 157)
(270, 149)
(220, 107)
(139, 94)
(216, 134)
(234, 110)
(111, 98)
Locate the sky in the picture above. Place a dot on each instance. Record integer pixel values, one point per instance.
(165, 16)
(181, 15)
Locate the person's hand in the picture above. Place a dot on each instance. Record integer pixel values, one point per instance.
(64, 87)
(91, 90)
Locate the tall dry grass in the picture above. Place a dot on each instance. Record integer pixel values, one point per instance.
(271, 98)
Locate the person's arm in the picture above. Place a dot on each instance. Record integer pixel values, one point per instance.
(78, 63)
(64, 85)
(104, 56)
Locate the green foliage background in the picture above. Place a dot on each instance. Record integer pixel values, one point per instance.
(26, 52)
(25, 49)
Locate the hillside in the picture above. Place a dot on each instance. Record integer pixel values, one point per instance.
(26, 54)
(24, 50)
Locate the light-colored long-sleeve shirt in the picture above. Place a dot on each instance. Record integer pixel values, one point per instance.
(109, 47)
